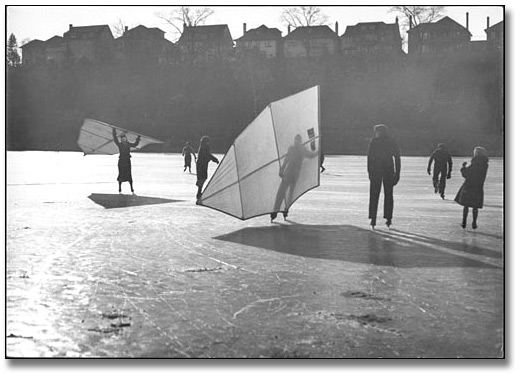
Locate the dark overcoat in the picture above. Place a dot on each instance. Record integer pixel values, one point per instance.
(203, 160)
(471, 193)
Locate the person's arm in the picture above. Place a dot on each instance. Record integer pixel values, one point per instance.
(450, 166)
(370, 160)
(114, 135)
(397, 158)
(136, 143)
(194, 155)
(213, 158)
(429, 169)
(284, 165)
(464, 170)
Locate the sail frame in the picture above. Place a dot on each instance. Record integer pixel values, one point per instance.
(316, 139)
(145, 140)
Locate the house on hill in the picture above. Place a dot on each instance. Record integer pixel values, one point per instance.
(206, 43)
(439, 37)
(145, 45)
(33, 52)
(91, 43)
(372, 38)
(265, 41)
(55, 49)
(311, 42)
(495, 36)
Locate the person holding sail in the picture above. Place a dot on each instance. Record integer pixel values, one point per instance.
(203, 160)
(290, 173)
(124, 165)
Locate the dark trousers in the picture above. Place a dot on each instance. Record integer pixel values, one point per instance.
(439, 178)
(375, 189)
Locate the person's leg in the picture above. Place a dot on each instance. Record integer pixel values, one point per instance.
(199, 191)
(442, 182)
(375, 190)
(388, 185)
(435, 179)
(475, 216)
(119, 186)
(280, 195)
(464, 216)
(131, 185)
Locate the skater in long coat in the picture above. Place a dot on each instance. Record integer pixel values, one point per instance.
(384, 167)
(203, 160)
(187, 151)
(124, 165)
(471, 193)
(441, 168)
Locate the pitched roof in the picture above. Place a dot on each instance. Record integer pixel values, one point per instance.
(55, 41)
(305, 32)
(370, 28)
(88, 30)
(34, 43)
(152, 30)
(261, 33)
(445, 22)
(496, 26)
(203, 33)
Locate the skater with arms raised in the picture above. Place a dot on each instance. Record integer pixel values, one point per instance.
(124, 165)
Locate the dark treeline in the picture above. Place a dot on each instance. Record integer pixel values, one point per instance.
(456, 100)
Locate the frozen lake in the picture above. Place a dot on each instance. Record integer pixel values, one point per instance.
(91, 273)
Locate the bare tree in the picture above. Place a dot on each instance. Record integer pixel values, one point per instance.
(303, 16)
(412, 15)
(185, 15)
(416, 15)
(118, 28)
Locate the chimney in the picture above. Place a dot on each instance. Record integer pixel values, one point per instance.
(126, 29)
(488, 22)
(410, 22)
(184, 26)
(337, 26)
(288, 29)
(245, 28)
(467, 21)
(70, 26)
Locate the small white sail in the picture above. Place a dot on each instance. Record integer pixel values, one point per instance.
(95, 137)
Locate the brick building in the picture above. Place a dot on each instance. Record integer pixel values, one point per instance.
(264, 41)
(443, 36)
(370, 38)
(91, 43)
(206, 43)
(311, 42)
(145, 45)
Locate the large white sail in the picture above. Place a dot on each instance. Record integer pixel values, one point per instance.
(95, 137)
(272, 162)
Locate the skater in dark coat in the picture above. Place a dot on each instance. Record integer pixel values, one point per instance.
(203, 160)
(124, 165)
(441, 168)
(471, 193)
(384, 167)
(187, 151)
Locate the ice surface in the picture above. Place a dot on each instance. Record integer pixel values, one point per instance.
(188, 281)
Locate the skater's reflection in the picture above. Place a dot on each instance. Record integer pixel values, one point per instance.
(290, 173)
